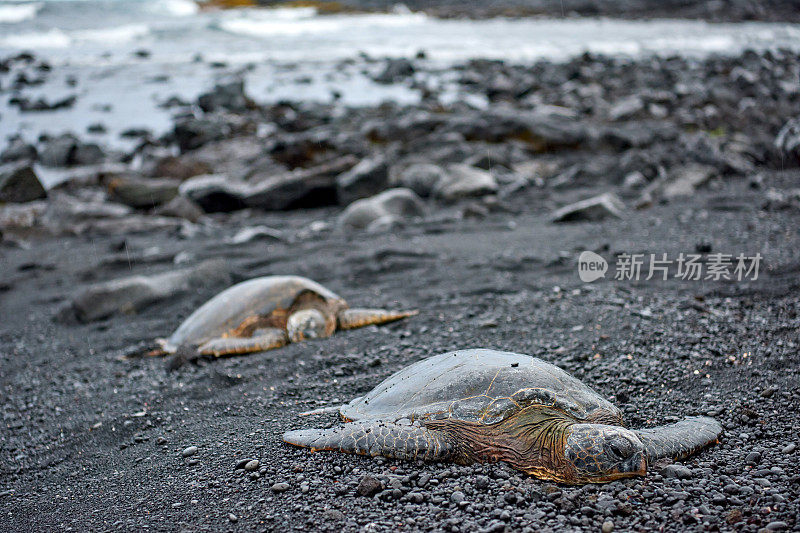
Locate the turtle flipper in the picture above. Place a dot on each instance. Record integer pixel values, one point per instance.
(264, 339)
(681, 439)
(357, 318)
(374, 438)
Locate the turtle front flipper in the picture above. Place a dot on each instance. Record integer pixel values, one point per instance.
(357, 318)
(262, 340)
(375, 437)
(681, 439)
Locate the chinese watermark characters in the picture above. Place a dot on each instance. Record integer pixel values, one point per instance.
(688, 267)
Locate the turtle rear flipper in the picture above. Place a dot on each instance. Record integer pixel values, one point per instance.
(357, 318)
(374, 438)
(262, 340)
(681, 439)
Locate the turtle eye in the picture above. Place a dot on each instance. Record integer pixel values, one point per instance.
(621, 448)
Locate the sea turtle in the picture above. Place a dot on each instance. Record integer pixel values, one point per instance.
(265, 313)
(485, 405)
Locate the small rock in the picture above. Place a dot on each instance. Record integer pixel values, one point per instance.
(19, 183)
(777, 525)
(384, 209)
(228, 95)
(422, 178)
(789, 448)
(180, 207)
(395, 71)
(462, 181)
(143, 192)
(768, 392)
(280, 487)
(367, 178)
(368, 486)
(753, 458)
(255, 233)
(676, 471)
(457, 497)
(253, 465)
(188, 452)
(18, 150)
(607, 527)
(592, 209)
(233, 518)
(787, 142)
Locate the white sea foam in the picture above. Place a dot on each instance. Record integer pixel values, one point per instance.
(291, 22)
(176, 8)
(115, 35)
(12, 13)
(36, 40)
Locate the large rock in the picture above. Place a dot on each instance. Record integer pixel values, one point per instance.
(18, 150)
(141, 192)
(422, 178)
(683, 181)
(228, 95)
(787, 142)
(180, 207)
(592, 209)
(383, 210)
(367, 178)
(67, 150)
(395, 71)
(309, 187)
(131, 294)
(19, 183)
(463, 181)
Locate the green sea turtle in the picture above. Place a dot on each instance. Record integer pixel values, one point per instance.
(265, 313)
(485, 405)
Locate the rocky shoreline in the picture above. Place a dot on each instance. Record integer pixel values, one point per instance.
(475, 214)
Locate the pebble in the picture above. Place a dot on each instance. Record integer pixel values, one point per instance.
(252, 465)
(188, 452)
(789, 448)
(280, 487)
(753, 458)
(457, 497)
(368, 486)
(233, 518)
(777, 525)
(676, 471)
(608, 526)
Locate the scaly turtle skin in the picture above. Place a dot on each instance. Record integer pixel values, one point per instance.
(484, 405)
(265, 313)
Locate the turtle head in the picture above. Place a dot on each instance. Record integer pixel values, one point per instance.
(307, 324)
(600, 453)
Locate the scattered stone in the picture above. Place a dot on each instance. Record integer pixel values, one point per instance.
(787, 142)
(387, 208)
(228, 95)
(19, 183)
(142, 192)
(462, 181)
(18, 150)
(607, 527)
(395, 71)
(189, 451)
(369, 486)
(367, 178)
(254, 233)
(686, 181)
(422, 178)
(180, 207)
(626, 108)
(789, 448)
(233, 518)
(280, 487)
(676, 471)
(252, 465)
(592, 209)
(129, 295)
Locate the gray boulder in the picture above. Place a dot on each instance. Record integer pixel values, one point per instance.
(422, 178)
(463, 181)
(367, 178)
(18, 150)
(180, 207)
(787, 142)
(141, 192)
(131, 294)
(228, 95)
(592, 209)
(19, 183)
(381, 211)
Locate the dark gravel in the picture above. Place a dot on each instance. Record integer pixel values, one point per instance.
(96, 441)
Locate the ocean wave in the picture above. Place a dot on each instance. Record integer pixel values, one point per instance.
(12, 13)
(56, 38)
(176, 8)
(281, 22)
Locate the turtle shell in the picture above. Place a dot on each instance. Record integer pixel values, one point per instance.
(480, 385)
(269, 296)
